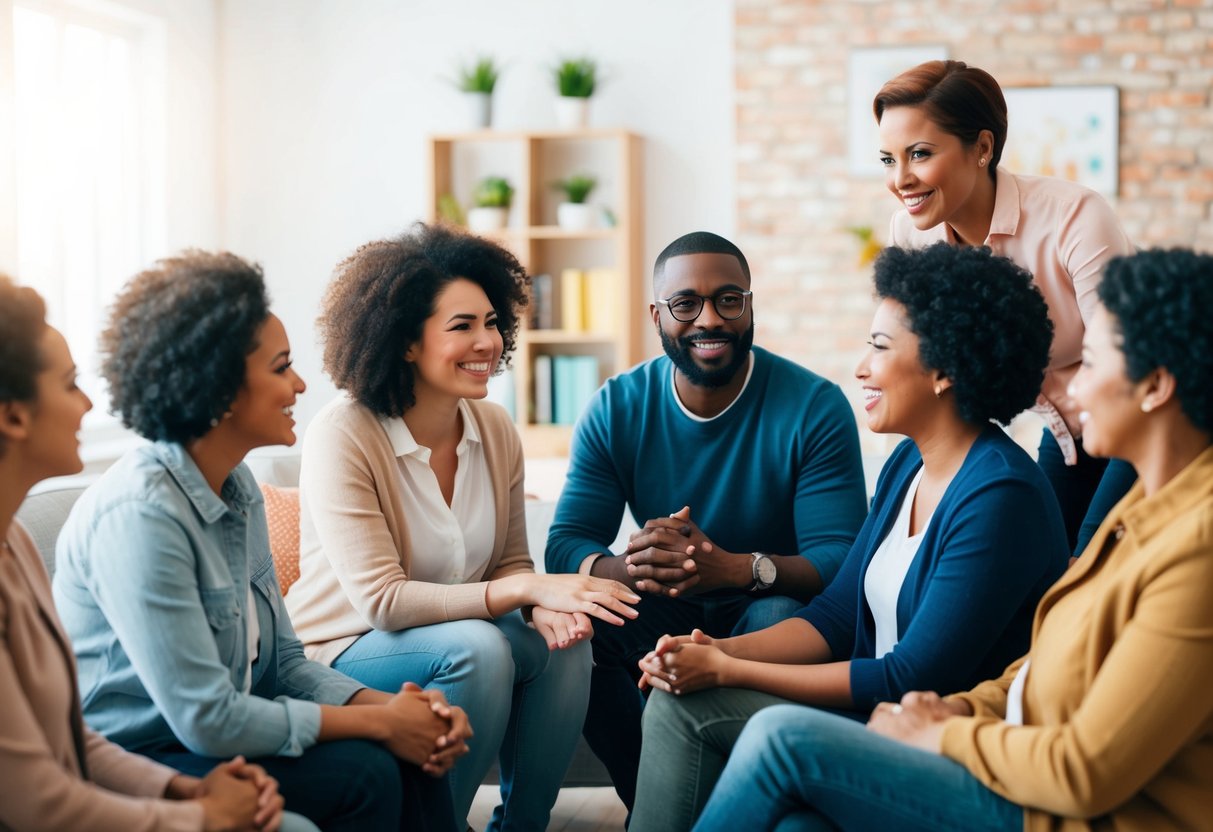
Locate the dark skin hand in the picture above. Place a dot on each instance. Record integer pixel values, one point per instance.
(672, 556)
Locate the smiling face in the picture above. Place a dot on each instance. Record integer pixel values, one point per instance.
(1110, 403)
(262, 411)
(931, 171)
(459, 348)
(898, 392)
(52, 445)
(710, 350)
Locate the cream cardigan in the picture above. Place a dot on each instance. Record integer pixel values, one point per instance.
(354, 549)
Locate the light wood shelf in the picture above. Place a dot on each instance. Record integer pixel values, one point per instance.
(534, 159)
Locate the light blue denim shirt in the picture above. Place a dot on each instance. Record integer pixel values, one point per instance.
(152, 580)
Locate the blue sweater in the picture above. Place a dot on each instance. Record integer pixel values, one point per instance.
(995, 543)
(778, 472)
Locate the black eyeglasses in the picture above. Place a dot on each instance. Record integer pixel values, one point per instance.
(729, 304)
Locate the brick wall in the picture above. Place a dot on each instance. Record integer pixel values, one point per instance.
(795, 198)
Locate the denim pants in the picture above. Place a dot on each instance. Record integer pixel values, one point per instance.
(612, 726)
(800, 768)
(344, 786)
(1086, 491)
(526, 704)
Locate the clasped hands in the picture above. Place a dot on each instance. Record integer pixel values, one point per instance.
(917, 720)
(684, 664)
(426, 730)
(672, 556)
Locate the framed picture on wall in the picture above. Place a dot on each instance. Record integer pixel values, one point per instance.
(867, 71)
(1071, 132)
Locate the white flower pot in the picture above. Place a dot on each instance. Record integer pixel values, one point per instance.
(575, 216)
(572, 113)
(478, 110)
(481, 220)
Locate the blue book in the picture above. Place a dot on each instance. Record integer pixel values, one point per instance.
(574, 380)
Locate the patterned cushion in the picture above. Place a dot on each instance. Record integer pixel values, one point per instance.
(282, 516)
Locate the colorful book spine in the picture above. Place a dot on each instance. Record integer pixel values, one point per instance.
(543, 313)
(572, 300)
(574, 380)
(543, 389)
(603, 300)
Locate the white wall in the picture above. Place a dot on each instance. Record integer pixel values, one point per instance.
(325, 107)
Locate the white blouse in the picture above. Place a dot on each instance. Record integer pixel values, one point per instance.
(887, 571)
(451, 544)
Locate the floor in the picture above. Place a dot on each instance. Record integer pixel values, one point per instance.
(576, 810)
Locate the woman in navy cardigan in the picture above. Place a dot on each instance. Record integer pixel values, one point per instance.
(938, 591)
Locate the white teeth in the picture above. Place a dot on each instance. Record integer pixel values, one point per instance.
(288, 411)
(476, 366)
(710, 345)
(912, 201)
(868, 395)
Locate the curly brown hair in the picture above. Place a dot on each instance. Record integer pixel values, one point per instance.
(174, 351)
(22, 322)
(382, 294)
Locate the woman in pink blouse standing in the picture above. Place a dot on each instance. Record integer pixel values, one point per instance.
(943, 126)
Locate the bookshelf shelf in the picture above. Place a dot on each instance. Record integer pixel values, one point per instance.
(596, 270)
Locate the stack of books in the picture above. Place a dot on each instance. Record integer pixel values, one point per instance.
(564, 385)
(590, 300)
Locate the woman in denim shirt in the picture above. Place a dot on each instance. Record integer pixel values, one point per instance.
(167, 589)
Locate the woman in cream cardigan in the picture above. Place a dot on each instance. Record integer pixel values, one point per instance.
(414, 561)
(1107, 723)
(56, 774)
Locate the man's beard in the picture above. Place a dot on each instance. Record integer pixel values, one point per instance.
(679, 351)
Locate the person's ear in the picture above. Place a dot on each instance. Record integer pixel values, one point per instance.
(655, 313)
(985, 146)
(1156, 389)
(16, 421)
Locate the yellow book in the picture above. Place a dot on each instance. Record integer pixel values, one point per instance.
(603, 301)
(572, 300)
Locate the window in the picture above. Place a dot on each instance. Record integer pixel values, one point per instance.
(90, 147)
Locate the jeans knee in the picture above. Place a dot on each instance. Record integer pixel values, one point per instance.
(373, 779)
(665, 714)
(766, 612)
(481, 654)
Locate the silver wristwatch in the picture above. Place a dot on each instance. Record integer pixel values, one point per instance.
(763, 570)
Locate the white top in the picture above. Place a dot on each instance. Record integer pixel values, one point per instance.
(887, 571)
(253, 633)
(451, 544)
(1015, 695)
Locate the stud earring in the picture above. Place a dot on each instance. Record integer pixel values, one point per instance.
(1146, 407)
(982, 161)
(938, 392)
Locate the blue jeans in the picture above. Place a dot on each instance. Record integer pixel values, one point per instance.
(612, 726)
(344, 786)
(799, 768)
(526, 704)
(1086, 491)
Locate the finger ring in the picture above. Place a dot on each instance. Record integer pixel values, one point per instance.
(896, 709)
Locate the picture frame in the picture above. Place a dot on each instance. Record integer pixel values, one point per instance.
(868, 68)
(1072, 132)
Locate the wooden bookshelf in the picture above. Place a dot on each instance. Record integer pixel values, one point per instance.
(532, 161)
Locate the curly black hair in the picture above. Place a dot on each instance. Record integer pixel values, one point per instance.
(382, 294)
(174, 351)
(22, 322)
(1161, 299)
(980, 322)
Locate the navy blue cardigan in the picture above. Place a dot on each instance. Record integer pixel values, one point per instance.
(995, 543)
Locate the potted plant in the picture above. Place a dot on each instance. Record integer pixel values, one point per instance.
(477, 81)
(575, 82)
(574, 214)
(492, 204)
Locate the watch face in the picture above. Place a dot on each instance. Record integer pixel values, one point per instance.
(766, 571)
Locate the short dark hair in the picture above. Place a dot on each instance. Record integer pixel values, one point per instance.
(980, 322)
(22, 322)
(178, 336)
(699, 242)
(963, 100)
(1161, 299)
(382, 294)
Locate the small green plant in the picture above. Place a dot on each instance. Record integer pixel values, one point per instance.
(575, 78)
(450, 211)
(576, 188)
(493, 192)
(480, 76)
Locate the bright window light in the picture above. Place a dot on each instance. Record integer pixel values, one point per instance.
(89, 175)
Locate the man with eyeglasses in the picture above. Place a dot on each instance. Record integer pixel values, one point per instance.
(742, 468)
